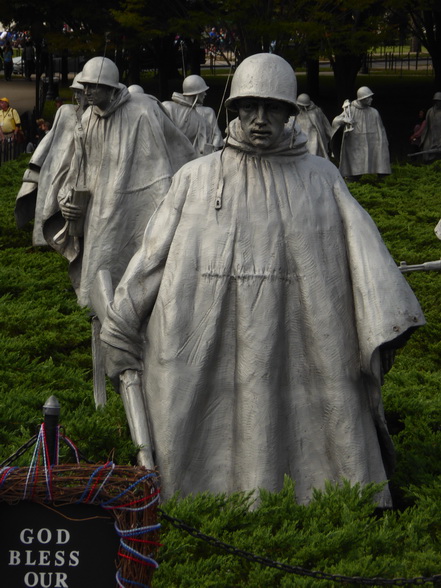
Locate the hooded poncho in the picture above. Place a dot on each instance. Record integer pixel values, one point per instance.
(365, 149)
(317, 128)
(256, 308)
(197, 122)
(130, 154)
(51, 162)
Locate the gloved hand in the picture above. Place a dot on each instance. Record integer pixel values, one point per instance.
(70, 212)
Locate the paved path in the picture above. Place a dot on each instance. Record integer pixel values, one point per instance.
(21, 93)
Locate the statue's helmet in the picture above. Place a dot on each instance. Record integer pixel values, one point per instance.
(437, 96)
(193, 85)
(264, 75)
(303, 100)
(76, 84)
(100, 70)
(364, 92)
(135, 89)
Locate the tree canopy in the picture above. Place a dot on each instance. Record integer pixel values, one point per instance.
(140, 31)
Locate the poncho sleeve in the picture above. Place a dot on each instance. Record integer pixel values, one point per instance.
(385, 305)
(137, 291)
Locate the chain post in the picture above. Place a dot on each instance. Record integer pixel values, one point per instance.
(51, 412)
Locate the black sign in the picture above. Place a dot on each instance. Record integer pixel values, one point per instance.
(43, 546)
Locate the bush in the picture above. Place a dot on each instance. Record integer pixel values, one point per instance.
(45, 342)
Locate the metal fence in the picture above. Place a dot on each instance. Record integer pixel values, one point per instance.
(10, 149)
(397, 62)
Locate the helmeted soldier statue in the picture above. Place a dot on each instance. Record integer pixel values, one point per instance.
(364, 147)
(262, 309)
(315, 125)
(131, 151)
(50, 163)
(196, 121)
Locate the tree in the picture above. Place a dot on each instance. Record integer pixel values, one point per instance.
(150, 29)
(63, 28)
(306, 29)
(349, 31)
(424, 21)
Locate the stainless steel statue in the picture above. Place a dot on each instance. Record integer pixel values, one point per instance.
(196, 121)
(261, 312)
(130, 152)
(50, 163)
(363, 148)
(315, 125)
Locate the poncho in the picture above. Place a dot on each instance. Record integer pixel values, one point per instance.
(256, 308)
(51, 160)
(365, 150)
(317, 128)
(197, 122)
(130, 155)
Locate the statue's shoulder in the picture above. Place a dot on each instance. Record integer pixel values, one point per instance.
(202, 166)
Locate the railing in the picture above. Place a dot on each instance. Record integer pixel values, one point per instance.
(10, 149)
(398, 62)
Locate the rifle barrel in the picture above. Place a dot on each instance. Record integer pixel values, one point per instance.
(421, 267)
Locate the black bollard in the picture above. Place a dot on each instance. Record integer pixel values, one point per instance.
(51, 412)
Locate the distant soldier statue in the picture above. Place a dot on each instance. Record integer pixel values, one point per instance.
(315, 125)
(364, 148)
(50, 164)
(196, 121)
(261, 312)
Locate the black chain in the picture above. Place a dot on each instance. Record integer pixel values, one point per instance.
(178, 524)
(19, 452)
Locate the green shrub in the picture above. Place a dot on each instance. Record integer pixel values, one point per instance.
(45, 343)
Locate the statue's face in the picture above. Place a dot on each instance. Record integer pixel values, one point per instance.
(365, 102)
(79, 96)
(201, 97)
(98, 95)
(262, 120)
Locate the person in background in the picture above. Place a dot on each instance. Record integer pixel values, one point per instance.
(431, 135)
(46, 127)
(29, 59)
(418, 129)
(10, 123)
(7, 61)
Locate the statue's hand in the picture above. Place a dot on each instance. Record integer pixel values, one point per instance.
(71, 212)
(119, 361)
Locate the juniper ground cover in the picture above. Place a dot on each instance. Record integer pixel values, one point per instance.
(45, 350)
